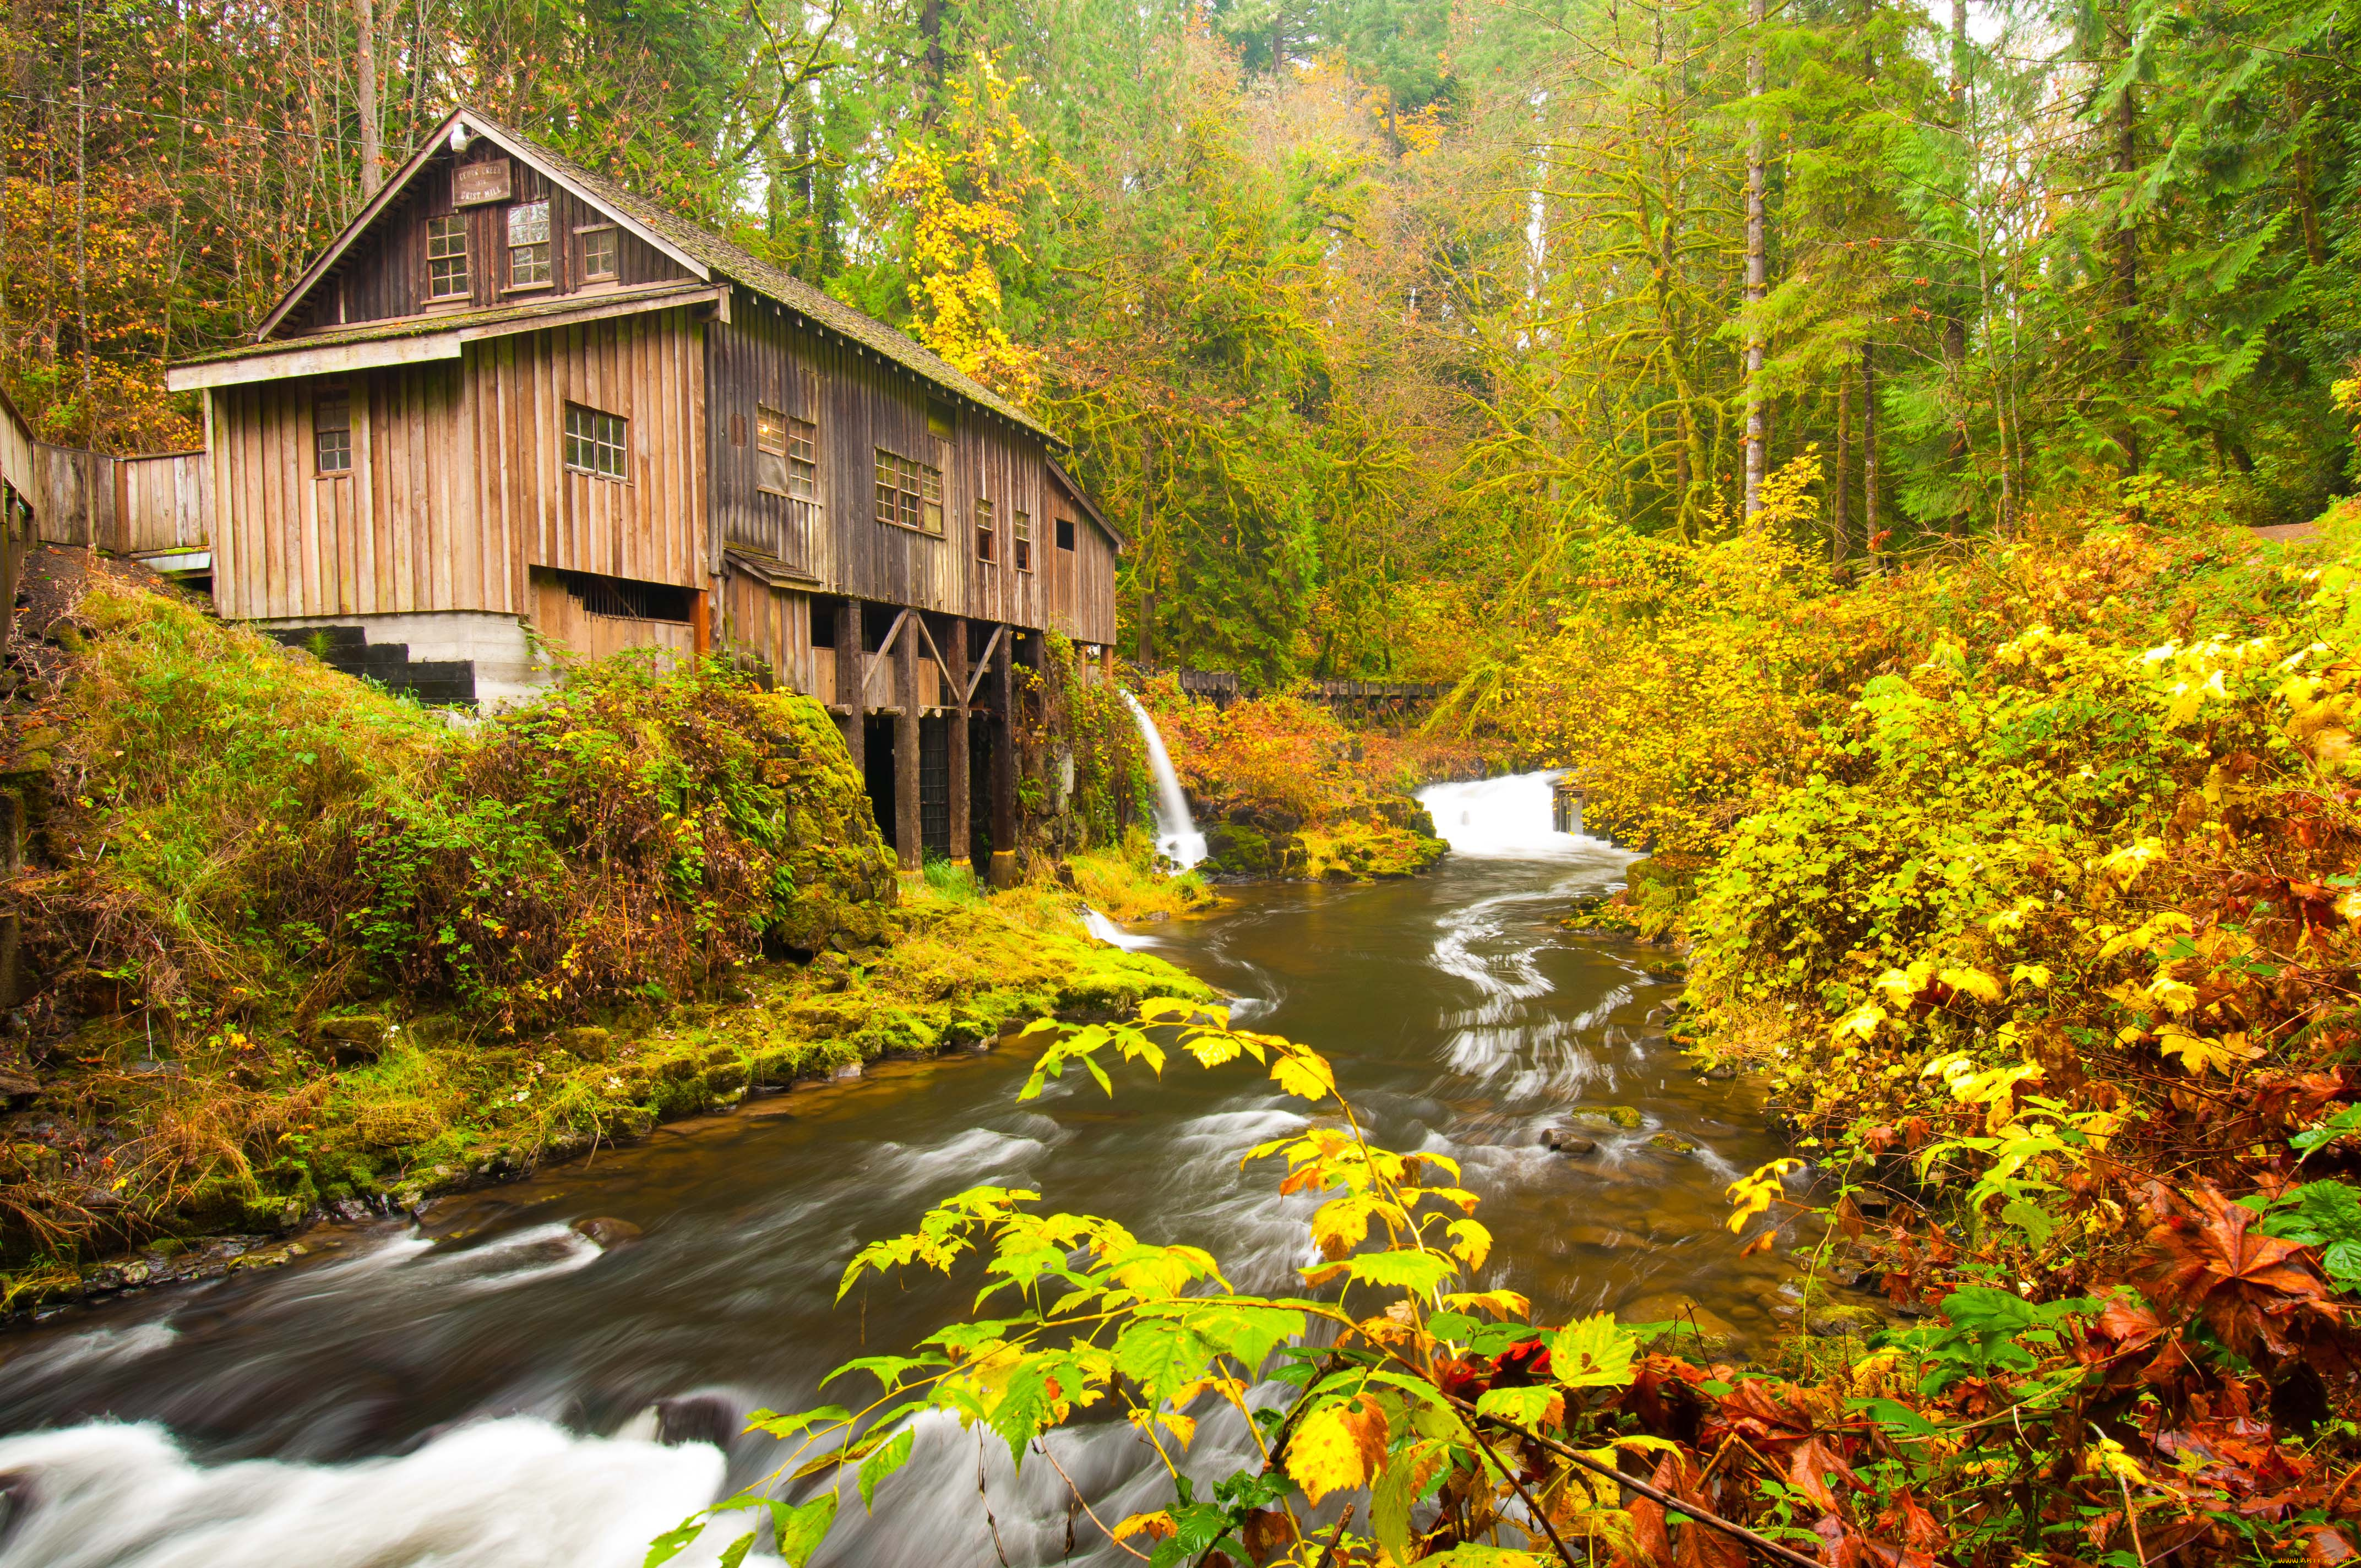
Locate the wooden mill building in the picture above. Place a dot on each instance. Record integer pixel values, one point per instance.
(514, 408)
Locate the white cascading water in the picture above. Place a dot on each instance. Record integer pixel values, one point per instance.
(1506, 819)
(1176, 830)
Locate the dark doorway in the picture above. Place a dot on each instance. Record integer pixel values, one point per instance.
(935, 786)
(877, 770)
(979, 792)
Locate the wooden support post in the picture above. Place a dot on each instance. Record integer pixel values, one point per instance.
(852, 672)
(907, 840)
(1004, 765)
(1106, 662)
(954, 654)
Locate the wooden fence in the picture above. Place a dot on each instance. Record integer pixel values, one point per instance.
(131, 506)
(1224, 688)
(18, 506)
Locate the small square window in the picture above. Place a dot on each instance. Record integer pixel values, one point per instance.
(986, 541)
(446, 258)
(332, 430)
(602, 254)
(528, 244)
(594, 442)
(1065, 534)
(1021, 541)
(942, 420)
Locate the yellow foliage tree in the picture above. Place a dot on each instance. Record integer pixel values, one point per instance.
(967, 193)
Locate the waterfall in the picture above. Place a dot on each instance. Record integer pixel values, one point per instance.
(1506, 816)
(1176, 830)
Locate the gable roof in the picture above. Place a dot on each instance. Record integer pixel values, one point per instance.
(705, 255)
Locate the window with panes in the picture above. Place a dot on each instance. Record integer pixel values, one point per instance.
(909, 494)
(602, 254)
(332, 430)
(986, 535)
(529, 245)
(1021, 541)
(446, 258)
(594, 442)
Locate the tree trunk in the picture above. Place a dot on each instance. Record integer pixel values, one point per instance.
(1955, 321)
(1869, 476)
(2127, 350)
(1839, 541)
(1758, 425)
(365, 67)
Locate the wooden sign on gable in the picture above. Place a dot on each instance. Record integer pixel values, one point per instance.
(480, 183)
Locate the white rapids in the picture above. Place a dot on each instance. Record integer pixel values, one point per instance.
(1509, 818)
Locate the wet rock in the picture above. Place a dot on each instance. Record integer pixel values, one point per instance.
(1671, 1143)
(1606, 1237)
(608, 1232)
(1696, 1324)
(1624, 1116)
(353, 1038)
(1721, 1072)
(846, 1070)
(1836, 1320)
(589, 1042)
(697, 1418)
(1567, 1143)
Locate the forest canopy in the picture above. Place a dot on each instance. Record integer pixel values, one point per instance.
(1368, 319)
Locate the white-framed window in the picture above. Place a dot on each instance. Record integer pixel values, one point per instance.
(909, 494)
(987, 533)
(803, 459)
(1021, 541)
(602, 253)
(594, 441)
(529, 245)
(332, 430)
(446, 258)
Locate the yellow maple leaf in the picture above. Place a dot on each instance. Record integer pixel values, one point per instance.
(1338, 1447)
(2199, 1055)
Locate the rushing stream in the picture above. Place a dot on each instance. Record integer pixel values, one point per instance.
(493, 1388)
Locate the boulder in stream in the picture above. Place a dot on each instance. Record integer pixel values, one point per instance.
(606, 1231)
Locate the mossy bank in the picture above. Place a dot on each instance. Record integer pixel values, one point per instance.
(290, 945)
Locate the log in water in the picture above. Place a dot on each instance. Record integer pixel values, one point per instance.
(496, 1387)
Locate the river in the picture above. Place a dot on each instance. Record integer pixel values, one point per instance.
(490, 1388)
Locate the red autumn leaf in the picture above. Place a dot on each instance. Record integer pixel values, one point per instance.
(1815, 1462)
(2250, 1289)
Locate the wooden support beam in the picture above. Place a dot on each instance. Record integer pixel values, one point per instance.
(983, 663)
(850, 698)
(962, 781)
(1003, 764)
(885, 650)
(907, 842)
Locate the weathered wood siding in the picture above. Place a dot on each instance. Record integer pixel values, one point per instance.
(649, 370)
(560, 618)
(765, 353)
(384, 274)
(1082, 580)
(396, 534)
(773, 625)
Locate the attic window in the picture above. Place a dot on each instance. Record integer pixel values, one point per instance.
(446, 258)
(601, 253)
(529, 245)
(942, 420)
(1065, 534)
